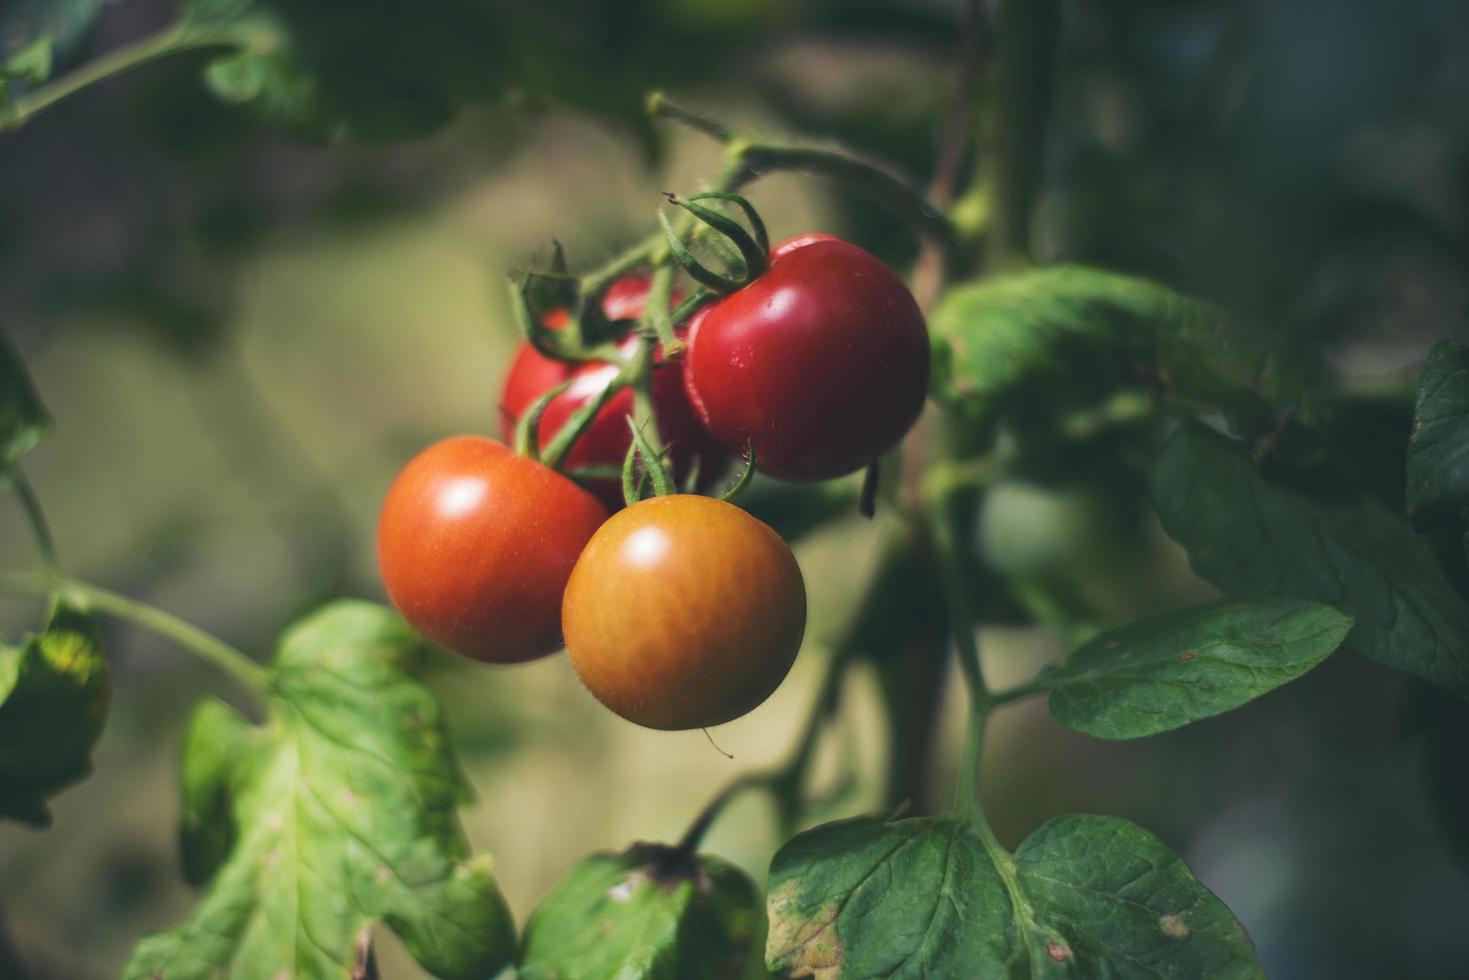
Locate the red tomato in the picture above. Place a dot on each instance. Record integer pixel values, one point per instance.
(684, 612)
(823, 361)
(606, 441)
(475, 545)
(800, 241)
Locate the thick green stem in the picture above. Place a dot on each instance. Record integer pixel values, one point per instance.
(1028, 32)
(35, 516)
(171, 40)
(967, 792)
(184, 634)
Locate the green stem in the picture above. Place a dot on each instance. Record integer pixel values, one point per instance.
(1027, 35)
(967, 791)
(756, 158)
(35, 516)
(170, 40)
(661, 107)
(185, 635)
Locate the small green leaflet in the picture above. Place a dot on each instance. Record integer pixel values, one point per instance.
(39, 35)
(1438, 453)
(1164, 671)
(648, 913)
(1251, 536)
(1068, 335)
(53, 701)
(911, 899)
(337, 814)
(23, 419)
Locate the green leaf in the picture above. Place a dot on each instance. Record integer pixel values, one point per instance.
(53, 701)
(37, 36)
(217, 739)
(907, 899)
(1068, 336)
(648, 913)
(342, 813)
(31, 63)
(1438, 453)
(1253, 536)
(23, 419)
(1165, 671)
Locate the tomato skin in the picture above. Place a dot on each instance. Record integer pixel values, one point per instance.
(788, 246)
(823, 361)
(475, 545)
(606, 440)
(684, 612)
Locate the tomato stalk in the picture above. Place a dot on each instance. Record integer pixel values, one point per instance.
(528, 429)
(184, 634)
(35, 516)
(173, 39)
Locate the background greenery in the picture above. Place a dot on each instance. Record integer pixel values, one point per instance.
(244, 332)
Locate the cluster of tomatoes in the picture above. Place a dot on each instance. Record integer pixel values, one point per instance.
(682, 610)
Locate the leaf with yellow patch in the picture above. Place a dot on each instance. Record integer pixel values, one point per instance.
(931, 897)
(338, 814)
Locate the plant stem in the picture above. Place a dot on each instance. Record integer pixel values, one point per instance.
(170, 40)
(184, 634)
(661, 107)
(967, 792)
(1027, 31)
(35, 516)
(878, 184)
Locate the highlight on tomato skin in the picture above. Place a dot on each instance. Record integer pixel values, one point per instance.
(606, 440)
(475, 545)
(822, 362)
(684, 612)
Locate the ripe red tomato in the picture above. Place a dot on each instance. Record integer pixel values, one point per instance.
(606, 441)
(800, 241)
(475, 545)
(684, 612)
(823, 361)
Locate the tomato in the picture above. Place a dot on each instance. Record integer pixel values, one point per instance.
(684, 612)
(606, 440)
(800, 241)
(823, 361)
(475, 545)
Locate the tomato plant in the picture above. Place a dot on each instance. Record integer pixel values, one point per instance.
(684, 612)
(1213, 539)
(822, 362)
(476, 544)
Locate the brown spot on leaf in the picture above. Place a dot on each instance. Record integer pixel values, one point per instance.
(1059, 952)
(1186, 656)
(1173, 927)
(803, 942)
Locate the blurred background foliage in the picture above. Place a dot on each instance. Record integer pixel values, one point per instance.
(243, 329)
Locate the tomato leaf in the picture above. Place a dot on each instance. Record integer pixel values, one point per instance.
(24, 421)
(1438, 453)
(1084, 895)
(38, 36)
(648, 913)
(1069, 335)
(341, 814)
(53, 702)
(1165, 671)
(1253, 536)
